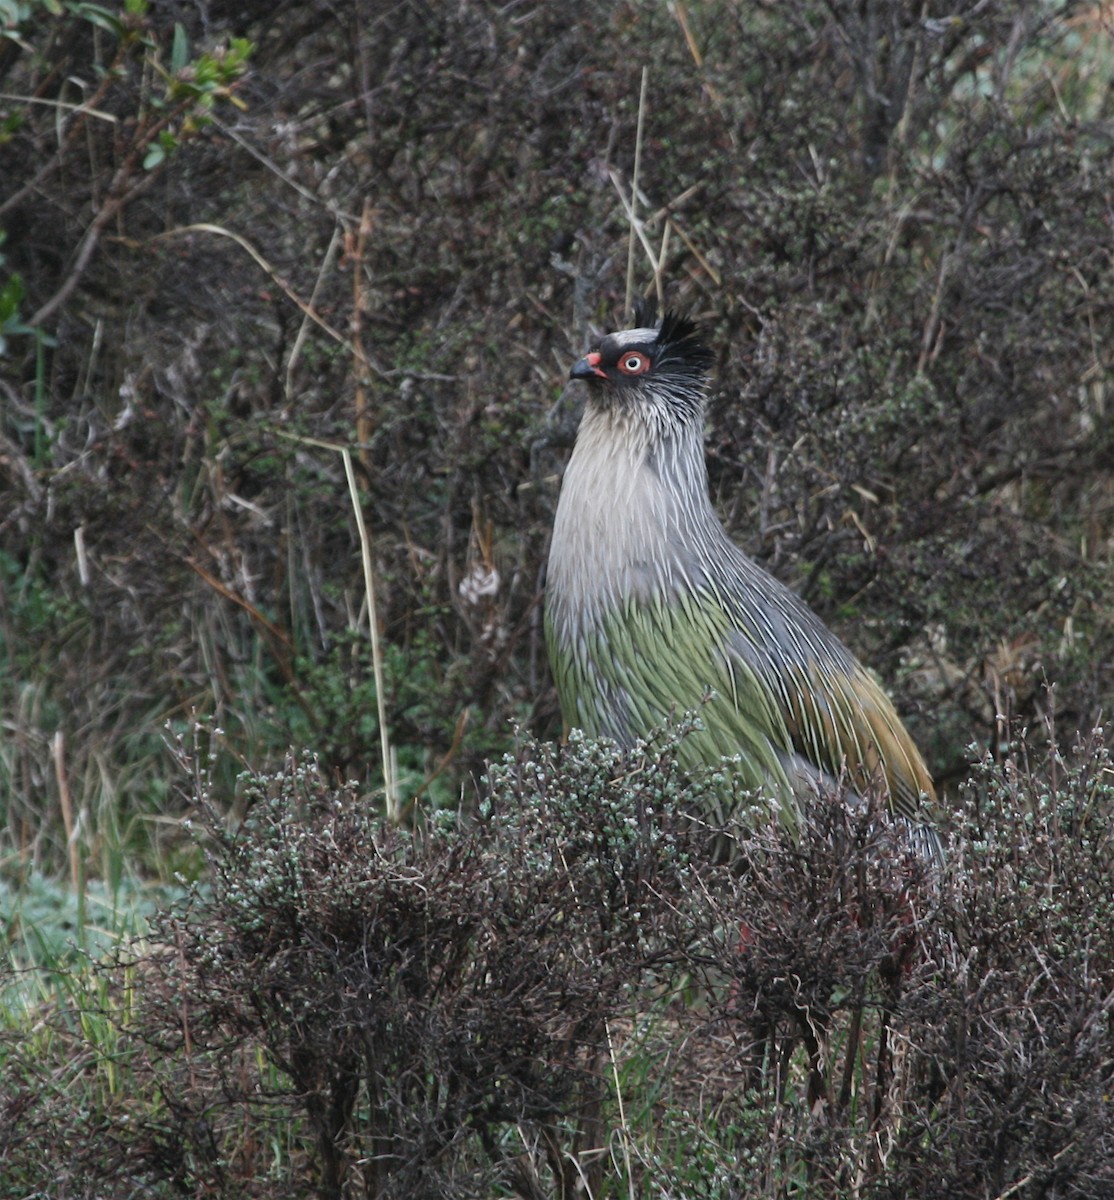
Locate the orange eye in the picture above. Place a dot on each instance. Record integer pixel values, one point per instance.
(634, 364)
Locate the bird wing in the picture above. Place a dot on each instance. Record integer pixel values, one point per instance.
(836, 716)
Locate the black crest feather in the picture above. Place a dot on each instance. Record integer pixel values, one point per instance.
(682, 341)
(645, 313)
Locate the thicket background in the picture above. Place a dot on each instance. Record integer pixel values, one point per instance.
(895, 218)
(234, 232)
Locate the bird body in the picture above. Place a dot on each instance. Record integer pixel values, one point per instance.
(653, 612)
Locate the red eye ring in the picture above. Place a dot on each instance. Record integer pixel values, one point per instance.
(633, 363)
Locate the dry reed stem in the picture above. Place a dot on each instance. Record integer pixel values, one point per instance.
(631, 212)
(58, 753)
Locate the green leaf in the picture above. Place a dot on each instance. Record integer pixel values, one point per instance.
(11, 323)
(154, 156)
(102, 18)
(180, 50)
(11, 294)
(239, 50)
(10, 123)
(12, 14)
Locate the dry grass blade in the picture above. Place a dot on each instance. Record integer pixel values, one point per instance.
(58, 753)
(277, 279)
(632, 216)
(389, 786)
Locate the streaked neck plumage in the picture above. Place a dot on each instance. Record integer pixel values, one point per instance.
(634, 518)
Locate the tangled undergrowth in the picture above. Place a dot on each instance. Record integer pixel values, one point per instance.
(570, 996)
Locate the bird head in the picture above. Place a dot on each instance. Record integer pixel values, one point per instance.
(657, 371)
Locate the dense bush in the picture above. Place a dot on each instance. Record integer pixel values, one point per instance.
(571, 993)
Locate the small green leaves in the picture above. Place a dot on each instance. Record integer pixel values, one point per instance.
(11, 297)
(103, 18)
(11, 293)
(180, 50)
(12, 14)
(159, 150)
(194, 87)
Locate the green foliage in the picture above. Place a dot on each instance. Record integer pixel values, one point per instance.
(52, 932)
(11, 297)
(194, 88)
(194, 84)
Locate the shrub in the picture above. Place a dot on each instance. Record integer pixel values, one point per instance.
(571, 992)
